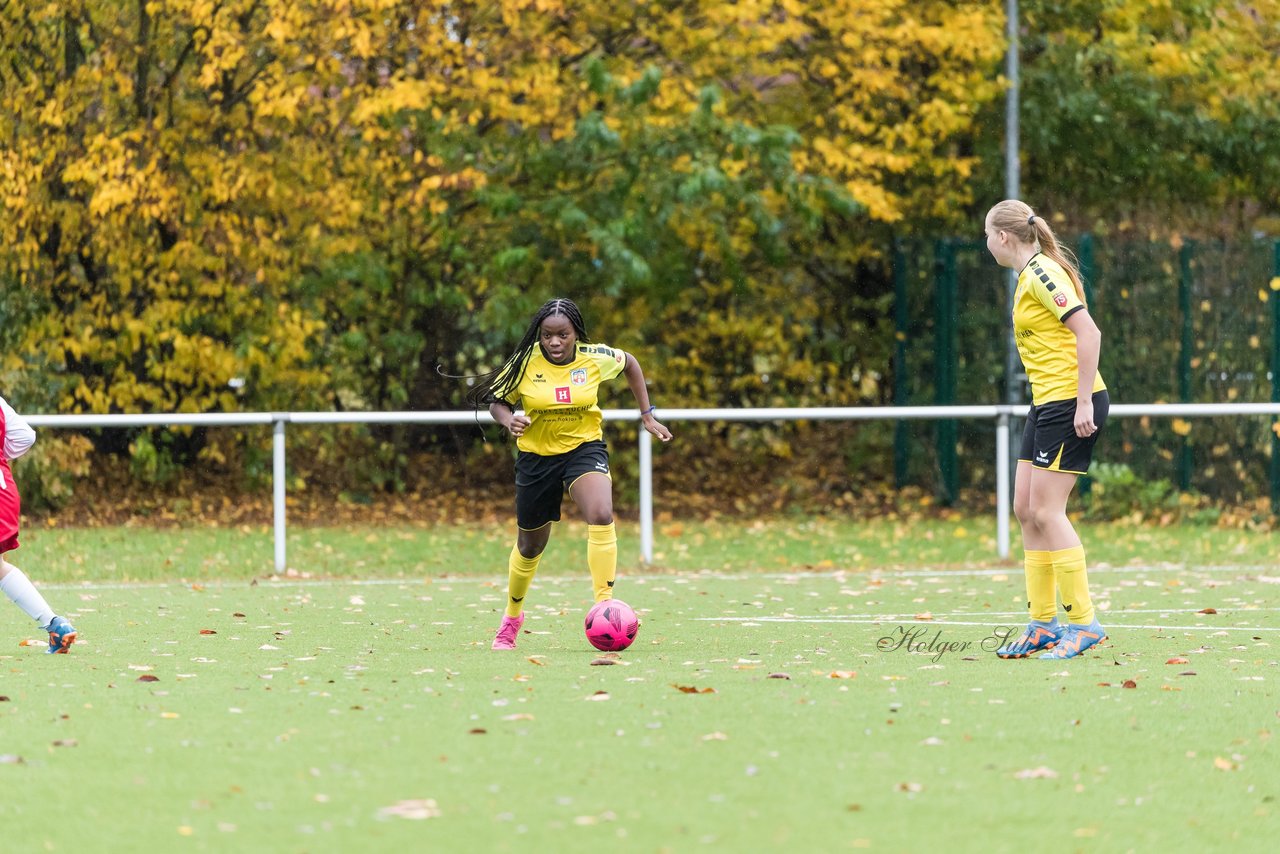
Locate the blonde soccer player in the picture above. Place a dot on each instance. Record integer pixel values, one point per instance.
(1059, 344)
(16, 438)
(546, 396)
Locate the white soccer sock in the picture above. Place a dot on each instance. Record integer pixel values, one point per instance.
(19, 588)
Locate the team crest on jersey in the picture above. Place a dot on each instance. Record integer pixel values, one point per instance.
(1060, 300)
(562, 395)
(578, 376)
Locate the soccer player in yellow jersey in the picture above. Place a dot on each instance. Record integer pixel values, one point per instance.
(545, 395)
(1059, 345)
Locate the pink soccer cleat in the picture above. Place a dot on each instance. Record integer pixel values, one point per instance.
(506, 638)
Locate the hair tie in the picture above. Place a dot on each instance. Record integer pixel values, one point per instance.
(1031, 220)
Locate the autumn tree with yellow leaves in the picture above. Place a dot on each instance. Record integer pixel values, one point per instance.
(259, 204)
(325, 200)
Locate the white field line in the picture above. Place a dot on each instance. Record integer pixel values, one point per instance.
(1223, 611)
(640, 577)
(1261, 569)
(936, 622)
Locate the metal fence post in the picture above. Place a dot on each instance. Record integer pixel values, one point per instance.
(278, 485)
(945, 366)
(646, 496)
(1275, 381)
(1002, 484)
(1184, 357)
(1085, 257)
(901, 395)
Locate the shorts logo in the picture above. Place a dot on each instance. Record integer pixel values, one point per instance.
(562, 395)
(1060, 300)
(578, 376)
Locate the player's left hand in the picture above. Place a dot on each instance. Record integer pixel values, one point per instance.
(654, 426)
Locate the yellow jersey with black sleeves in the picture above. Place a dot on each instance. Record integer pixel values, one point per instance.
(561, 401)
(1042, 302)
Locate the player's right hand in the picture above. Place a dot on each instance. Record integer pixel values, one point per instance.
(516, 426)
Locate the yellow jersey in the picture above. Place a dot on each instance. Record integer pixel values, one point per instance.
(561, 401)
(1042, 302)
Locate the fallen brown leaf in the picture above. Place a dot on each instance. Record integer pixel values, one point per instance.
(207, 632)
(1178, 661)
(693, 689)
(602, 662)
(147, 677)
(1207, 611)
(1129, 683)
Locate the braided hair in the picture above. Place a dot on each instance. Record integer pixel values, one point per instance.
(498, 384)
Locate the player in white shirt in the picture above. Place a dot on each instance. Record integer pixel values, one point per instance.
(16, 438)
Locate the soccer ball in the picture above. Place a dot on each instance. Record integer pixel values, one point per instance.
(611, 625)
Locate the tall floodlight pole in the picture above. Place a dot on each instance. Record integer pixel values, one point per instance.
(1012, 184)
(1007, 426)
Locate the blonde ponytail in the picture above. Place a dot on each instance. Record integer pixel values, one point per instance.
(1017, 218)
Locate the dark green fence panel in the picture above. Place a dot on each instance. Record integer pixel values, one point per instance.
(1193, 321)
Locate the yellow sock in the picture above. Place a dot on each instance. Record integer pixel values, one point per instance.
(602, 559)
(1042, 593)
(1073, 582)
(520, 570)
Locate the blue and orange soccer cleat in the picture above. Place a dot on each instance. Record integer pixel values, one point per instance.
(1035, 637)
(507, 632)
(1076, 639)
(61, 635)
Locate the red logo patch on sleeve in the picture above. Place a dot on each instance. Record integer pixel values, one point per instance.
(1061, 300)
(562, 395)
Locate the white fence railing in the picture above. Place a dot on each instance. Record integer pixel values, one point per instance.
(1000, 414)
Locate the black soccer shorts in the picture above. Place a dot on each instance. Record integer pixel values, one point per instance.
(1049, 440)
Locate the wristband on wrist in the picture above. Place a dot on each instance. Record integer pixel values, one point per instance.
(645, 412)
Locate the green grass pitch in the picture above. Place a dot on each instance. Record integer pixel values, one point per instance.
(758, 710)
